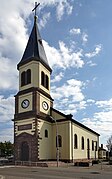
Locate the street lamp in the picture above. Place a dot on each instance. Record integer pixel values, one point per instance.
(95, 148)
(57, 141)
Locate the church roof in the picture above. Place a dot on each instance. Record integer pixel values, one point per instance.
(69, 118)
(35, 50)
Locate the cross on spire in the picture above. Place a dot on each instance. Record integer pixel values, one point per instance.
(35, 8)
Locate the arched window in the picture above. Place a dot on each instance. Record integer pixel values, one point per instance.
(59, 141)
(82, 143)
(47, 82)
(75, 141)
(23, 78)
(28, 76)
(46, 133)
(92, 145)
(42, 78)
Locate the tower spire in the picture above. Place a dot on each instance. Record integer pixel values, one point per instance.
(35, 50)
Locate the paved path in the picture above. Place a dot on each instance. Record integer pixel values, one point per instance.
(93, 172)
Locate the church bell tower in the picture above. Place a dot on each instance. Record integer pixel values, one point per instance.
(33, 100)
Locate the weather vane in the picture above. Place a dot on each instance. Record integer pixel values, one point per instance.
(35, 8)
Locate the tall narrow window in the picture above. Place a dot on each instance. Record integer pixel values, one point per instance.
(59, 141)
(46, 133)
(28, 76)
(23, 78)
(42, 78)
(75, 141)
(47, 82)
(92, 145)
(88, 147)
(82, 143)
(96, 148)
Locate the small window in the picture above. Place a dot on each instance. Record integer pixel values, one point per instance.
(59, 141)
(46, 133)
(82, 143)
(28, 76)
(47, 82)
(42, 78)
(92, 145)
(75, 141)
(23, 78)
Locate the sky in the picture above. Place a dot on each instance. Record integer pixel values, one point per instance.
(77, 37)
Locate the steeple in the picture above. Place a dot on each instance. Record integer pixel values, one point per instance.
(34, 50)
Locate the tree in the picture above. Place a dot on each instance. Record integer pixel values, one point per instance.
(6, 149)
(109, 143)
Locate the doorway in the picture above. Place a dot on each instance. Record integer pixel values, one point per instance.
(24, 151)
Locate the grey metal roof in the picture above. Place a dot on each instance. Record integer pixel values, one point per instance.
(35, 49)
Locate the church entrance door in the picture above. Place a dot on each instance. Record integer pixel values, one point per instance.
(24, 151)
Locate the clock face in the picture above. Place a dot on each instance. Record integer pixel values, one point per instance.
(45, 105)
(25, 103)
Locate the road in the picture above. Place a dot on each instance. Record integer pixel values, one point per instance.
(93, 172)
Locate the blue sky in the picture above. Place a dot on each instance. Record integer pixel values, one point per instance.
(78, 43)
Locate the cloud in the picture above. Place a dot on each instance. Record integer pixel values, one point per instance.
(101, 121)
(6, 116)
(69, 97)
(13, 31)
(72, 88)
(62, 7)
(84, 37)
(75, 31)
(57, 78)
(106, 105)
(64, 57)
(95, 52)
(90, 101)
(43, 21)
(6, 109)
(7, 134)
(78, 31)
(73, 107)
(8, 74)
(91, 64)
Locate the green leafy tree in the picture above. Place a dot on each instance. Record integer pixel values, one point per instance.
(6, 149)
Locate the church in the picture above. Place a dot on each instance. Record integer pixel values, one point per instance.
(42, 133)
